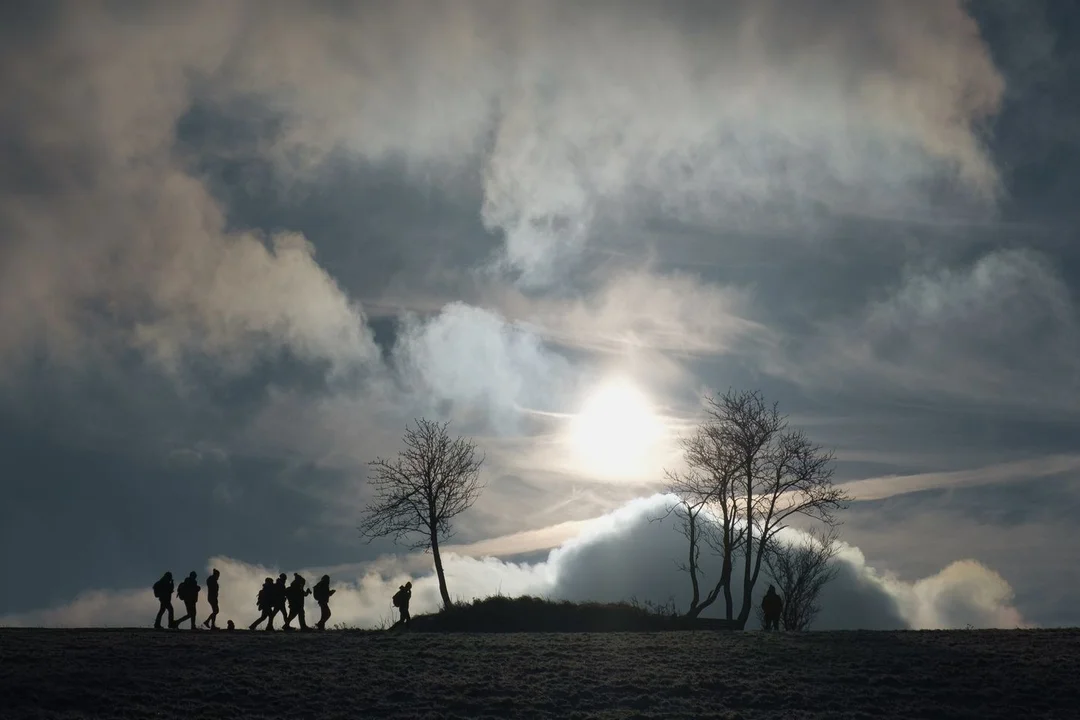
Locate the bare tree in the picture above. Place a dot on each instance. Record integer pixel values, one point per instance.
(431, 481)
(754, 475)
(705, 510)
(800, 571)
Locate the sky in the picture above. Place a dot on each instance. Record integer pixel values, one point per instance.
(243, 243)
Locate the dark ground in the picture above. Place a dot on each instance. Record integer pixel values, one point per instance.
(147, 674)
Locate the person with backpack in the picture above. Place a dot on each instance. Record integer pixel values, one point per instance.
(773, 607)
(322, 592)
(296, 594)
(188, 592)
(212, 598)
(265, 601)
(281, 593)
(163, 590)
(401, 602)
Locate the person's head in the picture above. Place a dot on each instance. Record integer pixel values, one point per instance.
(282, 577)
(167, 576)
(192, 575)
(216, 573)
(269, 581)
(325, 578)
(408, 585)
(297, 578)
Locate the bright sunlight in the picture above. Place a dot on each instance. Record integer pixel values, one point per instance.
(615, 430)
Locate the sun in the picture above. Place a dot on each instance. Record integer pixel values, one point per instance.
(616, 430)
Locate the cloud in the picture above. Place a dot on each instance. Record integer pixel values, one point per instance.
(473, 358)
(732, 113)
(877, 488)
(999, 330)
(619, 556)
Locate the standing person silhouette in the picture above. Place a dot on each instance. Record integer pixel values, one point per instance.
(280, 594)
(401, 602)
(773, 607)
(296, 594)
(163, 590)
(212, 598)
(188, 592)
(265, 602)
(322, 592)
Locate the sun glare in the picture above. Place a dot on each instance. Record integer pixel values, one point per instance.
(615, 430)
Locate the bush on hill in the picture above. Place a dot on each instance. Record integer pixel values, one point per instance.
(532, 614)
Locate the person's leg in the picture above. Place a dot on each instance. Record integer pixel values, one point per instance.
(213, 614)
(256, 624)
(160, 612)
(303, 619)
(405, 615)
(324, 615)
(191, 614)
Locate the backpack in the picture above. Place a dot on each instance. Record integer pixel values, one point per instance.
(399, 598)
(159, 589)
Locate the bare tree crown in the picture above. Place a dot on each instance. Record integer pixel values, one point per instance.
(754, 475)
(433, 479)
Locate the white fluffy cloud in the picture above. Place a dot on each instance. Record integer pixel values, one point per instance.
(619, 556)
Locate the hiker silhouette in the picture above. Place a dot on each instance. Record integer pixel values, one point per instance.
(212, 598)
(280, 594)
(296, 593)
(773, 607)
(188, 592)
(163, 590)
(401, 602)
(266, 602)
(322, 592)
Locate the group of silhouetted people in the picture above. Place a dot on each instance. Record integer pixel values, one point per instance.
(288, 599)
(188, 593)
(274, 597)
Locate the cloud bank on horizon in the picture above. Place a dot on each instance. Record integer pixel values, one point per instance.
(621, 556)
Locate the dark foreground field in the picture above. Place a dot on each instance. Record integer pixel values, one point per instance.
(141, 673)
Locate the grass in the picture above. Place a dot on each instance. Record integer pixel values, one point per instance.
(125, 674)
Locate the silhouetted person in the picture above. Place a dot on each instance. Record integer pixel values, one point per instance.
(296, 594)
(266, 602)
(322, 592)
(280, 594)
(163, 590)
(188, 592)
(401, 602)
(230, 626)
(212, 598)
(773, 607)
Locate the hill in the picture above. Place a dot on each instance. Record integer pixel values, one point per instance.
(532, 614)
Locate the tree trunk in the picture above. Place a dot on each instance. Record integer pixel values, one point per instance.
(691, 518)
(726, 577)
(439, 569)
(744, 613)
